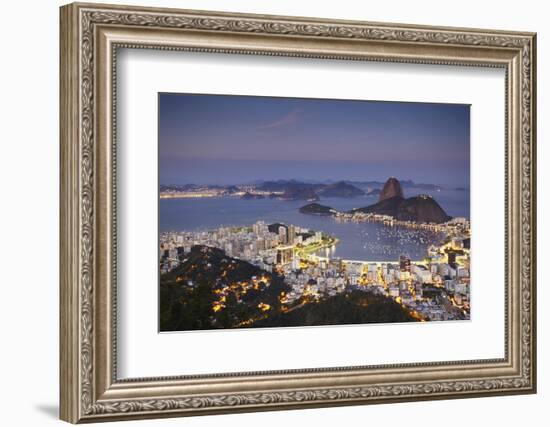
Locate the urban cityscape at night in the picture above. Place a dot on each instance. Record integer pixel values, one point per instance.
(293, 239)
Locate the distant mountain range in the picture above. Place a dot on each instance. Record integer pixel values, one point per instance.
(299, 190)
(365, 185)
(406, 183)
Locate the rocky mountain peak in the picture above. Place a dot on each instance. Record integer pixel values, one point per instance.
(392, 188)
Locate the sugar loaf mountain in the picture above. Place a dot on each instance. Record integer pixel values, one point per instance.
(392, 202)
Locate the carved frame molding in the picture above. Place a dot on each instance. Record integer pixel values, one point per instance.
(90, 36)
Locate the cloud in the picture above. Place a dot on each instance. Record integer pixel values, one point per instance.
(288, 119)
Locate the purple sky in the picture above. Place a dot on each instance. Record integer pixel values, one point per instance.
(217, 139)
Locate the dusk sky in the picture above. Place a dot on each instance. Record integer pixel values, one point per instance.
(215, 139)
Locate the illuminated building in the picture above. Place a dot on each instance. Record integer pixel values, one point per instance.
(451, 259)
(405, 263)
(284, 255)
(282, 235)
(291, 234)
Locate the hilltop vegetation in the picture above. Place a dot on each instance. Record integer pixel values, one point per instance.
(343, 309)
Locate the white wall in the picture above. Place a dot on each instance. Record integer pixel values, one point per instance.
(29, 170)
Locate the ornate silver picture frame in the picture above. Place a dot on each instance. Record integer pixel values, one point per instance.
(91, 35)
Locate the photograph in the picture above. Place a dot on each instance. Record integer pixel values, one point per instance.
(272, 209)
(286, 212)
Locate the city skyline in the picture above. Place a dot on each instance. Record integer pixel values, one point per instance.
(266, 138)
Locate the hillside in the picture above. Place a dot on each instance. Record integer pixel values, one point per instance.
(341, 189)
(351, 308)
(317, 209)
(420, 208)
(188, 292)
